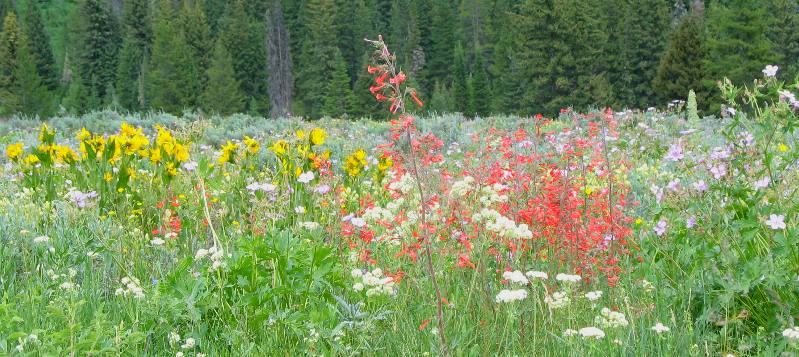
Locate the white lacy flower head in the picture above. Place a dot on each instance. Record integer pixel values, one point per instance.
(189, 344)
(568, 278)
(516, 277)
(610, 318)
(505, 296)
(537, 275)
(592, 332)
(593, 295)
(41, 239)
(570, 332)
(557, 300)
(306, 177)
(792, 334)
(660, 328)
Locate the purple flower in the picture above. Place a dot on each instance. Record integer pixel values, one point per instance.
(674, 185)
(81, 199)
(690, 222)
(718, 170)
(660, 228)
(762, 183)
(321, 189)
(257, 186)
(700, 186)
(190, 166)
(675, 153)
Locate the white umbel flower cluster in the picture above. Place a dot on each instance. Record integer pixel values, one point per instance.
(592, 332)
(660, 328)
(374, 214)
(567, 278)
(374, 282)
(215, 254)
(462, 187)
(537, 275)
(557, 300)
(792, 334)
(516, 277)
(491, 194)
(130, 286)
(593, 295)
(506, 296)
(405, 184)
(501, 225)
(609, 318)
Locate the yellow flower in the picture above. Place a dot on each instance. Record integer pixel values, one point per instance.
(253, 146)
(318, 136)
(65, 154)
(108, 177)
(181, 153)
(783, 148)
(639, 221)
(155, 155)
(228, 152)
(300, 134)
(385, 163)
(31, 159)
(127, 130)
(589, 191)
(83, 135)
(171, 169)
(354, 163)
(46, 135)
(280, 147)
(14, 151)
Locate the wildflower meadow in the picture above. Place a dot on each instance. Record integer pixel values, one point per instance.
(598, 233)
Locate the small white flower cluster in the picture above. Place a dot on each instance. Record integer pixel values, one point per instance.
(41, 239)
(557, 300)
(66, 284)
(660, 328)
(592, 332)
(215, 254)
(593, 295)
(568, 278)
(188, 344)
(501, 225)
(32, 338)
(537, 275)
(462, 187)
(405, 184)
(374, 214)
(505, 296)
(309, 225)
(491, 194)
(609, 318)
(130, 286)
(792, 334)
(516, 277)
(373, 281)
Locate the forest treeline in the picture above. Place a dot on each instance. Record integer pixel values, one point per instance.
(308, 57)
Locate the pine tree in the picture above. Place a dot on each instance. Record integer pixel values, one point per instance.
(365, 103)
(135, 49)
(245, 40)
(439, 56)
(738, 48)
(783, 33)
(223, 94)
(39, 44)
(532, 50)
(681, 68)
(442, 100)
(197, 33)
(98, 45)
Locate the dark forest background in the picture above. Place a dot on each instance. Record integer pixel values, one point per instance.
(308, 57)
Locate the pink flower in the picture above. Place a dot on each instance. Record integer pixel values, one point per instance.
(770, 71)
(776, 222)
(660, 228)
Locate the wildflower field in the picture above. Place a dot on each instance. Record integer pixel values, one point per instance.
(636, 233)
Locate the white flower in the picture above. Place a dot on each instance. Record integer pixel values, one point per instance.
(66, 285)
(792, 334)
(593, 295)
(357, 287)
(770, 70)
(516, 277)
(179, 354)
(610, 318)
(358, 222)
(157, 241)
(306, 177)
(537, 275)
(201, 253)
(356, 273)
(557, 300)
(570, 332)
(511, 295)
(660, 328)
(568, 278)
(592, 332)
(174, 337)
(189, 344)
(776, 222)
(299, 209)
(41, 239)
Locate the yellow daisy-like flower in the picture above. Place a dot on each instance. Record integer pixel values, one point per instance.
(280, 147)
(181, 153)
(318, 136)
(14, 151)
(300, 134)
(155, 155)
(31, 159)
(385, 163)
(253, 146)
(783, 148)
(83, 135)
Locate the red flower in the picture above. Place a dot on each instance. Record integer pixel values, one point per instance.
(371, 69)
(398, 79)
(416, 99)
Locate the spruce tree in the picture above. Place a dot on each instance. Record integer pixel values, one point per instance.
(439, 56)
(339, 99)
(10, 42)
(98, 44)
(681, 68)
(197, 33)
(135, 49)
(532, 50)
(460, 86)
(738, 48)
(39, 44)
(172, 78)
(783, 33)
(479, 94)
(223, 94)
(33, 98)
(643, 43)
(245, 39)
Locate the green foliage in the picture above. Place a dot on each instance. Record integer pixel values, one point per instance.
(10, 41)
(339, 99)
(460, 87)
(137, 39)
(97, 46)
(39, 43)
(479, 93)
(783, 32)
(682, 66)
(244, 37)
(223, 93)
